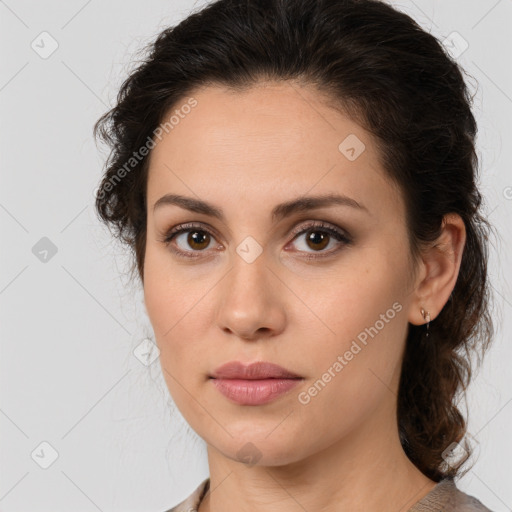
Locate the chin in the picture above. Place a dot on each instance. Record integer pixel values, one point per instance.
(253, 451)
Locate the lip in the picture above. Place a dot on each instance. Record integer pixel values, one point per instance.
(254, 384)
(253, 371)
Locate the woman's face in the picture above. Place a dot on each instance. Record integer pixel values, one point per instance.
(322, 289)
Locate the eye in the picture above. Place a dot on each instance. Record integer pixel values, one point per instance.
(189, 236)
(319, 236)
(190, 240)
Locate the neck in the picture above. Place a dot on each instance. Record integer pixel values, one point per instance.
(365, 470)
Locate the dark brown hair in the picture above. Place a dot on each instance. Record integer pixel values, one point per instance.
(395, 80)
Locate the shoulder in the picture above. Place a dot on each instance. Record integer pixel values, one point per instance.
(466, 503)
(447, 497)
(191, 503)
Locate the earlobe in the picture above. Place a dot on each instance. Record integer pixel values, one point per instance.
(442, 262)
(426, 317)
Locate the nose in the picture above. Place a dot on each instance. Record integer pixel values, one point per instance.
(250, 300)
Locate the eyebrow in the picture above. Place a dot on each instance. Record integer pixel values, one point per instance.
(279, 212)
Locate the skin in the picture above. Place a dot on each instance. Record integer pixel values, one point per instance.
(245, 152)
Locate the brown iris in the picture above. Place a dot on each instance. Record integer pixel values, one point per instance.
(317, 237)
(198, 239)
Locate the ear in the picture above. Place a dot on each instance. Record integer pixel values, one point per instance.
(438, 270)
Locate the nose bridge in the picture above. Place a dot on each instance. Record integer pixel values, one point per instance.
(249, 273)
(250, 297)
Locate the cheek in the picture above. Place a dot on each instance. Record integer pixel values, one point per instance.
(172, 291)
(364, 324)
(170, 307)
(352, 296)
(174, 298)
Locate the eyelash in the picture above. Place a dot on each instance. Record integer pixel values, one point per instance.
(341, 236)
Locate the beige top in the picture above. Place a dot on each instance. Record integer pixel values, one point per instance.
(444, 497)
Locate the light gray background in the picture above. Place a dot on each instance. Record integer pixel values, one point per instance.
(69, 325)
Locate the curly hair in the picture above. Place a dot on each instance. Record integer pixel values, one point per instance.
(396, 80)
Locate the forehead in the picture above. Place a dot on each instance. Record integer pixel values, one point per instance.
(284, 120)
(273, 139)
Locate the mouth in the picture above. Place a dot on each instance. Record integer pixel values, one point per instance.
(255, 384)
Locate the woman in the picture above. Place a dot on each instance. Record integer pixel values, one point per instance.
(297, 181)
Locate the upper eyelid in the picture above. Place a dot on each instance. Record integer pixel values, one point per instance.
(319, 224)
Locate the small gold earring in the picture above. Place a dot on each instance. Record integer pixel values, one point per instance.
(426, 317)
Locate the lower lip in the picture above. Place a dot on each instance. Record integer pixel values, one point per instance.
(254, 392)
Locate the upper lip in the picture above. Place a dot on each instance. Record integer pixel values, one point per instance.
(253, 371)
